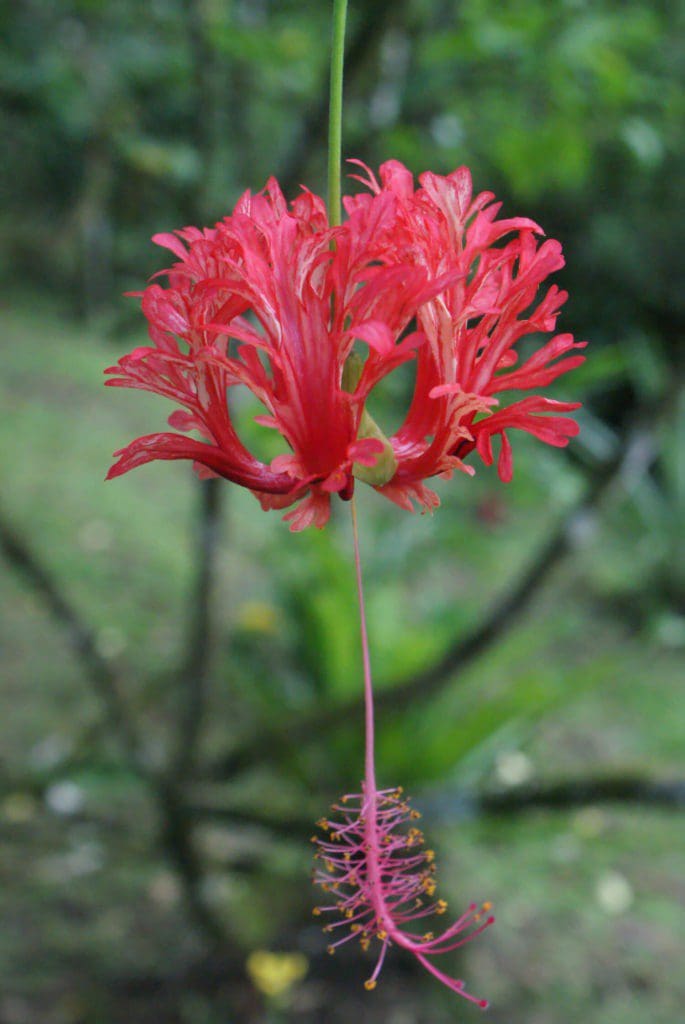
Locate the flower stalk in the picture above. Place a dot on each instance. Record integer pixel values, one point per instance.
(335, 111)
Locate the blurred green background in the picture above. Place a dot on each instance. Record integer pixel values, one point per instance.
(180, 675)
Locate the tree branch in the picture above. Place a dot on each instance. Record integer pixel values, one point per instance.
(194, 672)
(79, 635)
(176, 838)
(564, 795)
(179, 845)
(561, 796)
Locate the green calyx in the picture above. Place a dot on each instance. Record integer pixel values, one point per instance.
(385, 466)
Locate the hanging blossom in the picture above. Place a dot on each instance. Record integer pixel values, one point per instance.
(274, 298)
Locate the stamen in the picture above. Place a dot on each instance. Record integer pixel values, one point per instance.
(381, 875)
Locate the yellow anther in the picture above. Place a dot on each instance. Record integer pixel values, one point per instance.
(322, 823)
(382, 935)
(415, 815)
(316, 911)
(349, 914)
(487, 906)
(369, 984)
(330, 950)
(429, 855)
(328, 928)
(441, 907)
(329, 865)
(355, 928)
(346, 856)
(428, 936)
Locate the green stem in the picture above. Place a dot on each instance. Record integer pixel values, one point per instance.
(335, 110)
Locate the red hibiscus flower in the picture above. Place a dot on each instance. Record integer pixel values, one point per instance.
(274, 298)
